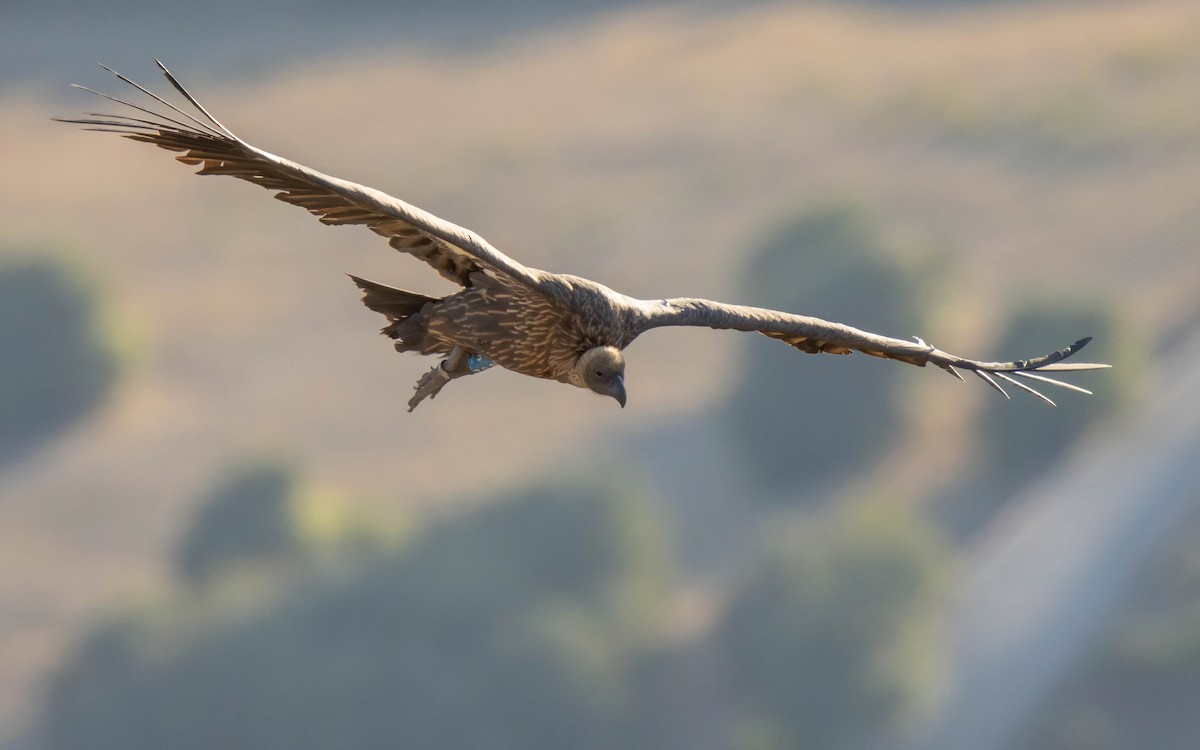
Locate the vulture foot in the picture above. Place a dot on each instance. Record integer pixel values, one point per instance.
(432, 382)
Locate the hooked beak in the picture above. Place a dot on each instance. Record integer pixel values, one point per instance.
(617, 389)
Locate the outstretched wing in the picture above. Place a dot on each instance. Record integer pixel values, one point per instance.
(453, 251)
(814, 335)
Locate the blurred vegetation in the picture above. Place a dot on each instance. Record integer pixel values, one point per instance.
(518, 626)
(1138, 689)
(249, 519)
(801, 418)
(539, 621)
(1022, 438)
(59, 362)
(832, 640)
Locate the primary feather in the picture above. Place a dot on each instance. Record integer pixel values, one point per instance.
(530, 321)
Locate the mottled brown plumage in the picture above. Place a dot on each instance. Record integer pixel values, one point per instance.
(542, 324)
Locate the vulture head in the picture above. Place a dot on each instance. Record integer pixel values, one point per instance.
(602, 370)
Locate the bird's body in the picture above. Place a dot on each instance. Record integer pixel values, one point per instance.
(529, 321)
(539, 332)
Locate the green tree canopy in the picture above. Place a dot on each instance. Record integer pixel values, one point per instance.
(249, 517)
(57, 362)
(833, 637)
(517, 626)
(801, 418)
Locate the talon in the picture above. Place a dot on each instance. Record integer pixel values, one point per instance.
(429, 385)
(456, 365)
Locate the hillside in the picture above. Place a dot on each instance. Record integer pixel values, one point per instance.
(1052, 150)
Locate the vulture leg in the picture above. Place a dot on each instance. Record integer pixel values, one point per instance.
(432, 382)
(459, 363)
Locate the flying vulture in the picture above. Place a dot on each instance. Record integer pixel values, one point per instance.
(547, 325)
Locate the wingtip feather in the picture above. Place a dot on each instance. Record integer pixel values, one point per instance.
(1027, 389)
(1068, 366)
(988, 379)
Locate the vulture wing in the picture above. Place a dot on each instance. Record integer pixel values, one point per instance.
(814, 335)
(453, 251)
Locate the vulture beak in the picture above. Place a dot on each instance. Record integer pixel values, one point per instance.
(616, 389)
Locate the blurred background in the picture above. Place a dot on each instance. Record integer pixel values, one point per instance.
(219, 527)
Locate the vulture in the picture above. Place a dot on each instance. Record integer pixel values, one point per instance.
(506, 314)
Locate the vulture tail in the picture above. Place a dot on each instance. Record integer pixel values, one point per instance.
(402, 309)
